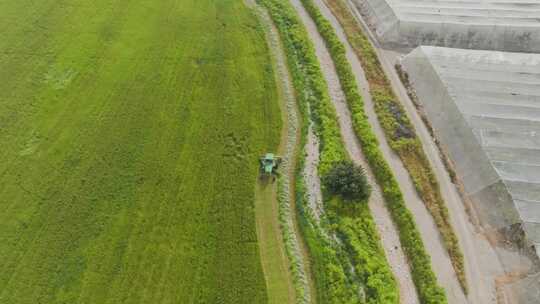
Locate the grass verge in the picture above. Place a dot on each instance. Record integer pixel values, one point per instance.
(358, 245)
(401, 134)
(424, 278)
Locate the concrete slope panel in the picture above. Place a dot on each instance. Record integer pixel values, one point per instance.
(484, 107)
(490, 24)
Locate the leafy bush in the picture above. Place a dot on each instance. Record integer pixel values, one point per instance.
(348, 181)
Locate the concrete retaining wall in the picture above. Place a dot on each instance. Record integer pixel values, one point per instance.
(489, 24)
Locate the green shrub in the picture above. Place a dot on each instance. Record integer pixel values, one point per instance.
(357, 233)
(348, 181)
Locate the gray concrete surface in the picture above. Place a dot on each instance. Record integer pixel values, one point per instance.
(485, 109)
(483, 24)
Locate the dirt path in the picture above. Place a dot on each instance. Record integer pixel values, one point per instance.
(481, 262)
(311, 175)
(387, 231)
(279, 215)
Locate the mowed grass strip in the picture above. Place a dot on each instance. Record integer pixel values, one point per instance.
(130, 132)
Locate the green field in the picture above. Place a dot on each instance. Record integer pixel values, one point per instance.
(129, 135)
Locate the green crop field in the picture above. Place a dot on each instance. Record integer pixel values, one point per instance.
(129, 137)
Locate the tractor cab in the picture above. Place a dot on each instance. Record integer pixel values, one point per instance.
(269, 163)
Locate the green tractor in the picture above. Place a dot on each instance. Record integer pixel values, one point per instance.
(269, 165)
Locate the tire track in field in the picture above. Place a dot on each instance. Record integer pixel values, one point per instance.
(481, 261)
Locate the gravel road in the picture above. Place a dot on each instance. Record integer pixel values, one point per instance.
(311, 175)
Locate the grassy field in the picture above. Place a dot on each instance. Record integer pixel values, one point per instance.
(130, 132)
(353, 269)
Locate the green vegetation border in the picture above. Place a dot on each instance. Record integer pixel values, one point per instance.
(362, 244)
(423, 276)
(401, 135)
